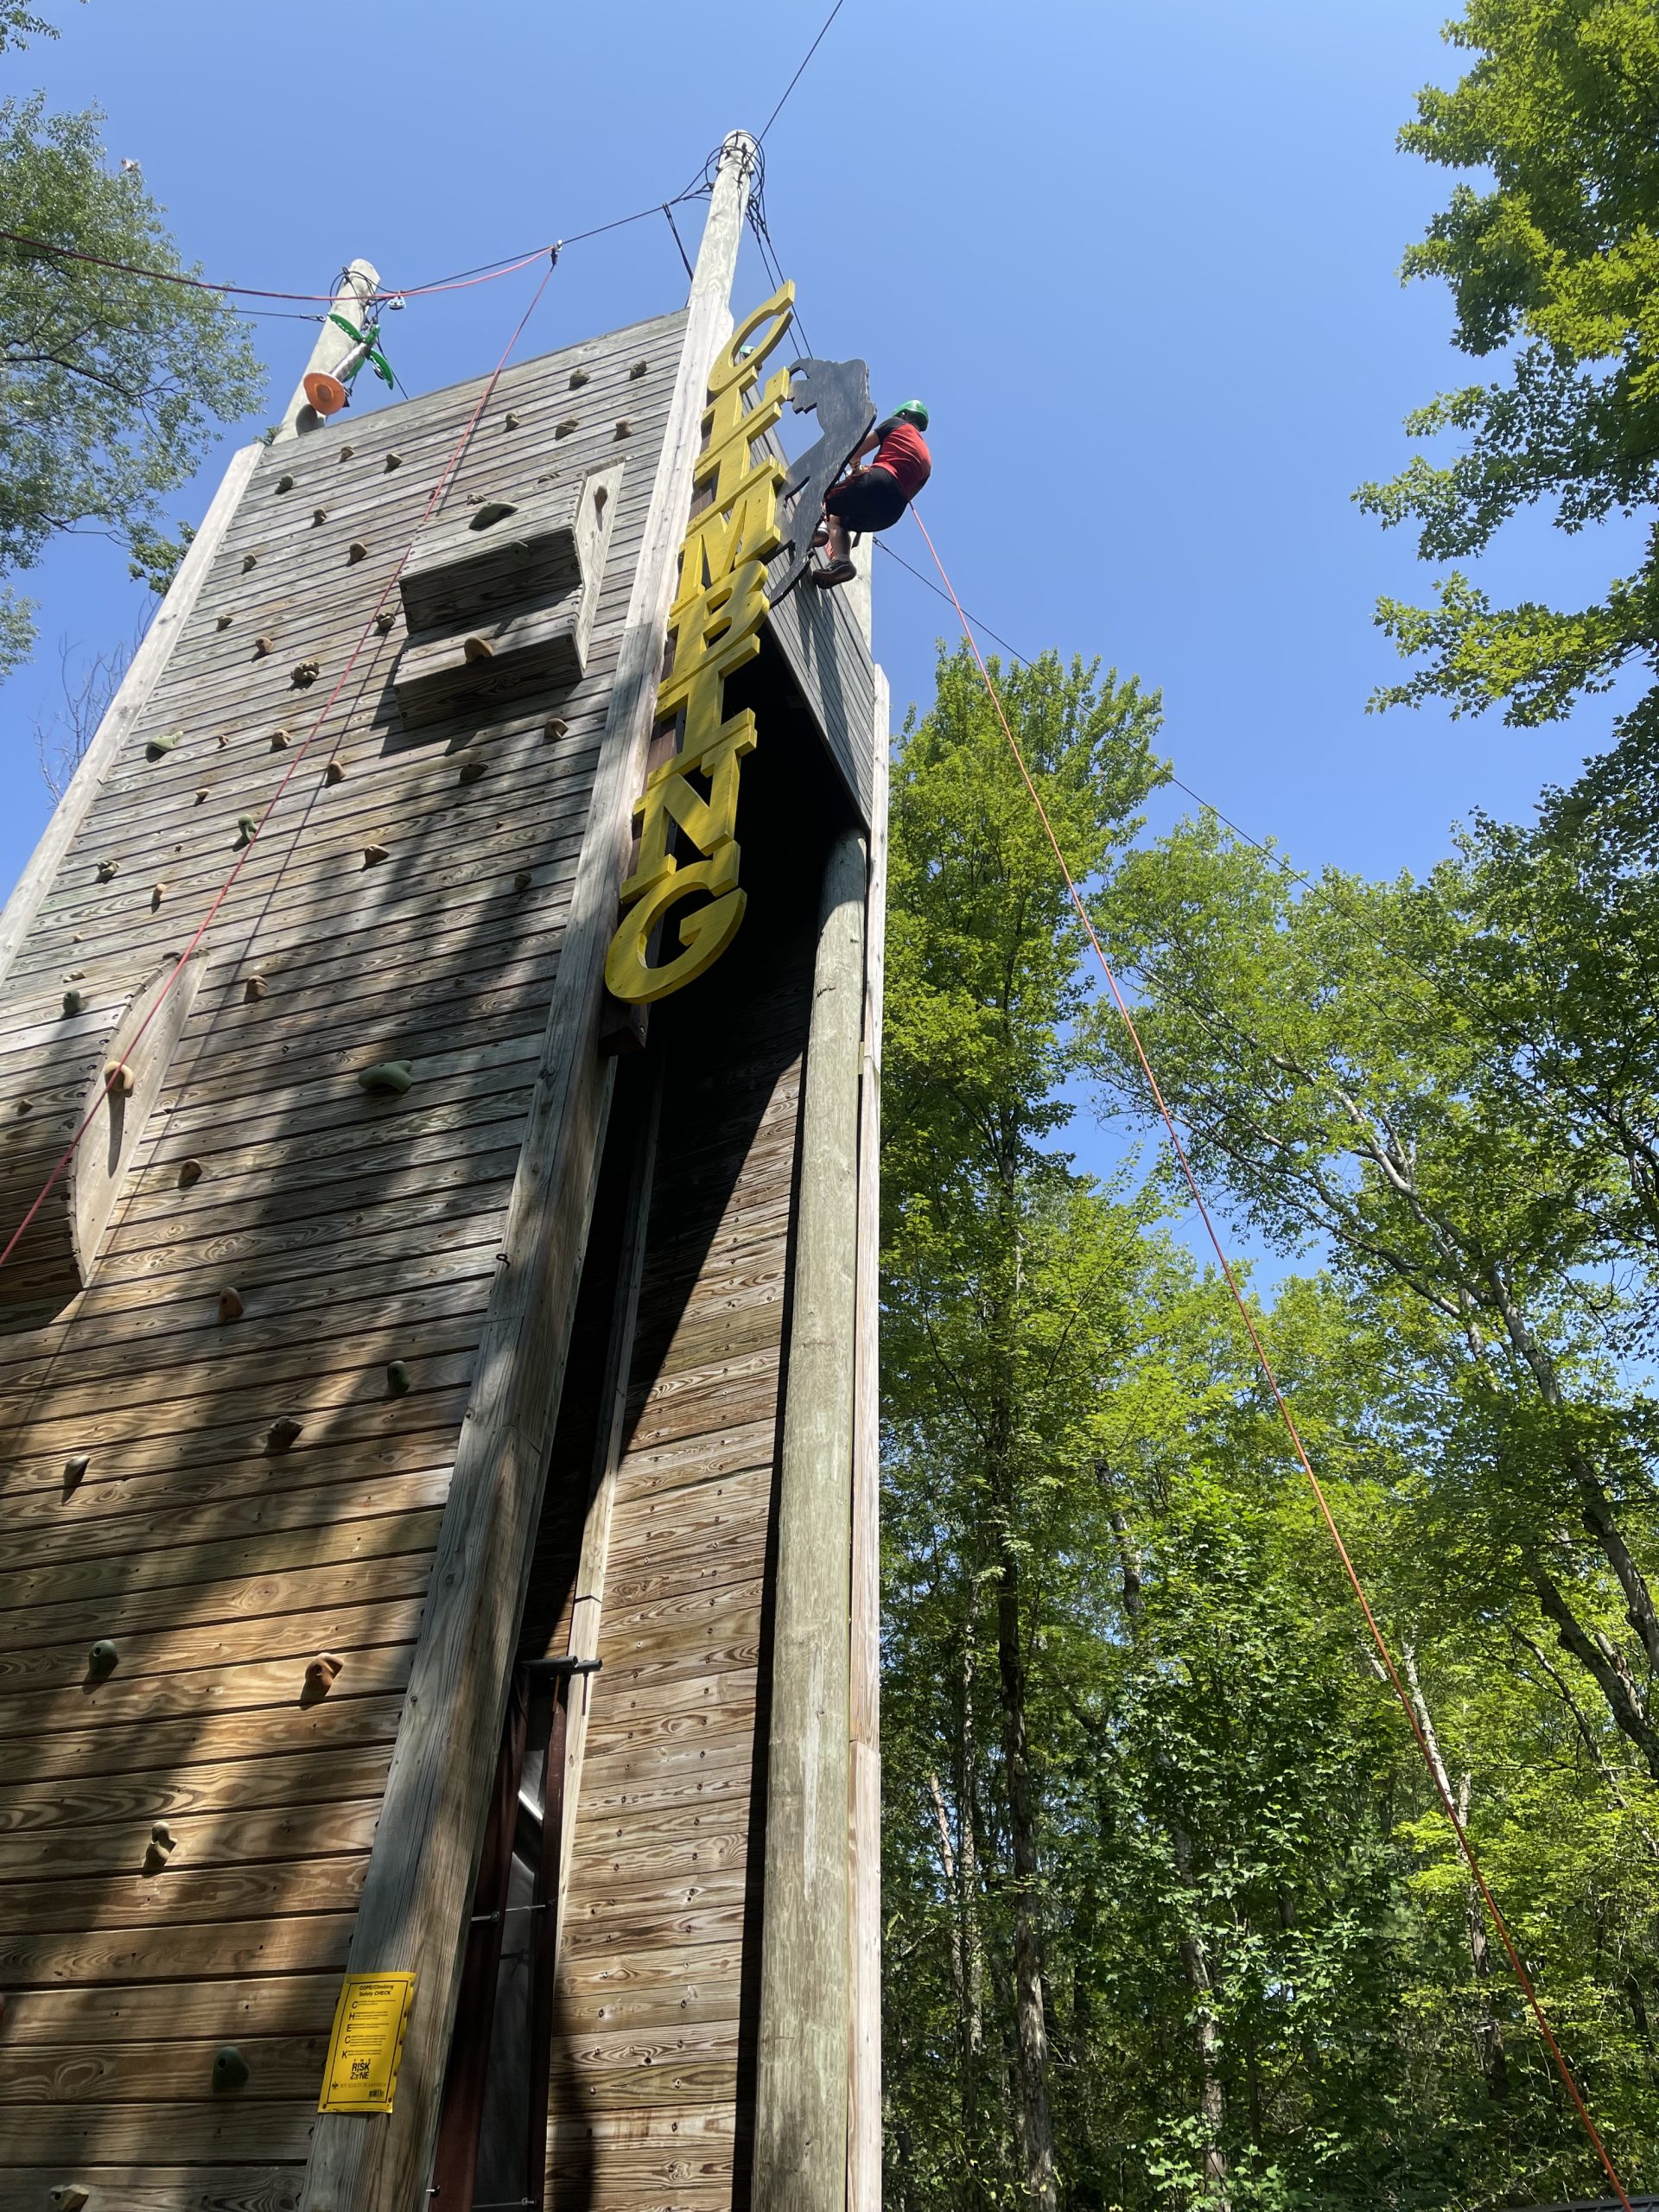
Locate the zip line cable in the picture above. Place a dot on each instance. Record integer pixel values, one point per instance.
(1384, 1652)
(762, 138)
(435, 500)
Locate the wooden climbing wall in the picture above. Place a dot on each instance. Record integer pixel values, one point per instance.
(355, 1230)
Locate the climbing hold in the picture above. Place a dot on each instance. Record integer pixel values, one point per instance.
(74, 1472)
(225, 622)
(72, 1002)
(578, 378)
(67, 2196)
(189, 1172)
(284, 483)
(223, 740)
(346, 452)
(383, 621)
(163, 1834)
(523, 880)
(333, 773)
(512, 422)
(318, 515)
(555, 728)
(279, 740)
(492, 511)
(246, 830)
(101, 1659)
(323, 1672)
(119, 1076)
(394, 461)
(387, 1079)
(157, 893)
(639, 370)
(263, 645)
(230, 2069)
(108, 870)
(283, 1432)
(162, 1841)
(472, 770)
(306, 672)
(396, 1378)
(201, 794)
(253, 989)
(373, 855)
(563, 430)
(357, 550)
(478, 648)
(155, 747)
(231, 1307)
(24, 1105)
(249, 561)
(624, 427)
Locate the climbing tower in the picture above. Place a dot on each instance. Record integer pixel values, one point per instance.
(438, 1063)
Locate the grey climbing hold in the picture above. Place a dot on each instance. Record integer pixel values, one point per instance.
(383, 621)
(73, 1002)
(318, 515)
(512, 422)
(162, 1842)
(67, 2196)
(108, 870)
(346, 452)
(102, 1658)
(624, 427)
(333, 773)
(387, 1079)
(523, 880)
(578, 378)
(230, 2069)
(225, 622)
(231, 1307)
(246, 830)
(563, 430)
(472, 770)
(283, 1433)
(306, 672)
(254, 989)
(394, 461)
(284, 483)
(156, 748)
(639, 370)
(189, 1172)
(373, 855)
(74, 1472)
(249, 561)
(492, 511)
(356, 551)
(396, 1378)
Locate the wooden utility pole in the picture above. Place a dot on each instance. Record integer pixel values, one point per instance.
(416, 1894)
(357, 289)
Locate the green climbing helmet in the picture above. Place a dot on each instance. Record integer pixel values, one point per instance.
(911, 411)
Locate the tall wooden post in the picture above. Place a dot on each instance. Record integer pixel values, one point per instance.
(802, 2072)
(357, 289)
(419, 1884)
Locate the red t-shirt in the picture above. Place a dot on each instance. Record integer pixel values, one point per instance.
(903, 453)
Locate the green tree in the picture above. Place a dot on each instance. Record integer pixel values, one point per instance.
(111, 387)
(1553, 260)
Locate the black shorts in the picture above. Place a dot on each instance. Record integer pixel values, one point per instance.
(872, 501)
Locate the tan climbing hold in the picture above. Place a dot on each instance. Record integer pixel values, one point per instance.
(384, 619)
(262, 646)
(279, 740)
(223, 740)
(254, 989)
(373, 855)
(163, 1842)
(202, 794)
(512, 422)
(118, 1076)
(283, 1433)
(478, 648)
(333, 773)
(323, 1672)
(189, 1172)
(357, 550)
(555, 727)
(107, 871)
(157, 893)
(318, 516)
(74, 1472)
(231, 1307)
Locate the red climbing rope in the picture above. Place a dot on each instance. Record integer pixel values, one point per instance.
(1448, 1803)
(224, 889)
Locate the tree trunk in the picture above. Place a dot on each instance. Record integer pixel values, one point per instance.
(1489, 2029)
(1036, 2130)
(1602, 1660)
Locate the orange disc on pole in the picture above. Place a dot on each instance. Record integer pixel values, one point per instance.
(326, 393)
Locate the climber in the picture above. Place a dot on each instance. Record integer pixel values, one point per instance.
(875, 498)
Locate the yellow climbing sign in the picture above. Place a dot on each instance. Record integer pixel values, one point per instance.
(366, 2044)
(715, 622)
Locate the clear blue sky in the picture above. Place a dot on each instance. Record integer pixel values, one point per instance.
(1140, 260)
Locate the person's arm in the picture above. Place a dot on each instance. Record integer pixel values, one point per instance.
(869, 445)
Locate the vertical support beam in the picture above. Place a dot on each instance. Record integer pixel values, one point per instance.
(864, 1809)
(421, 1875)
(357, 288)
(147, 666)
(801, 2080)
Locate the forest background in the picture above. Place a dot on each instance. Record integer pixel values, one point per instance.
(1172, 1920)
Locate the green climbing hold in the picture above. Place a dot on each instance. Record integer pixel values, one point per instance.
(102, 1657)
(246, 830)
(230, 2069)
(156, 746)
(284, 483)
(387, 1079)
(73, 1002)
(396, 1378)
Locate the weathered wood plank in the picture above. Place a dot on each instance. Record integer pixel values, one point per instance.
(158, 2188)
(121, 1701)
(100, 2013)
(231, 2129)
(310, 1942)
(184, 1895)
(156, 2073)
